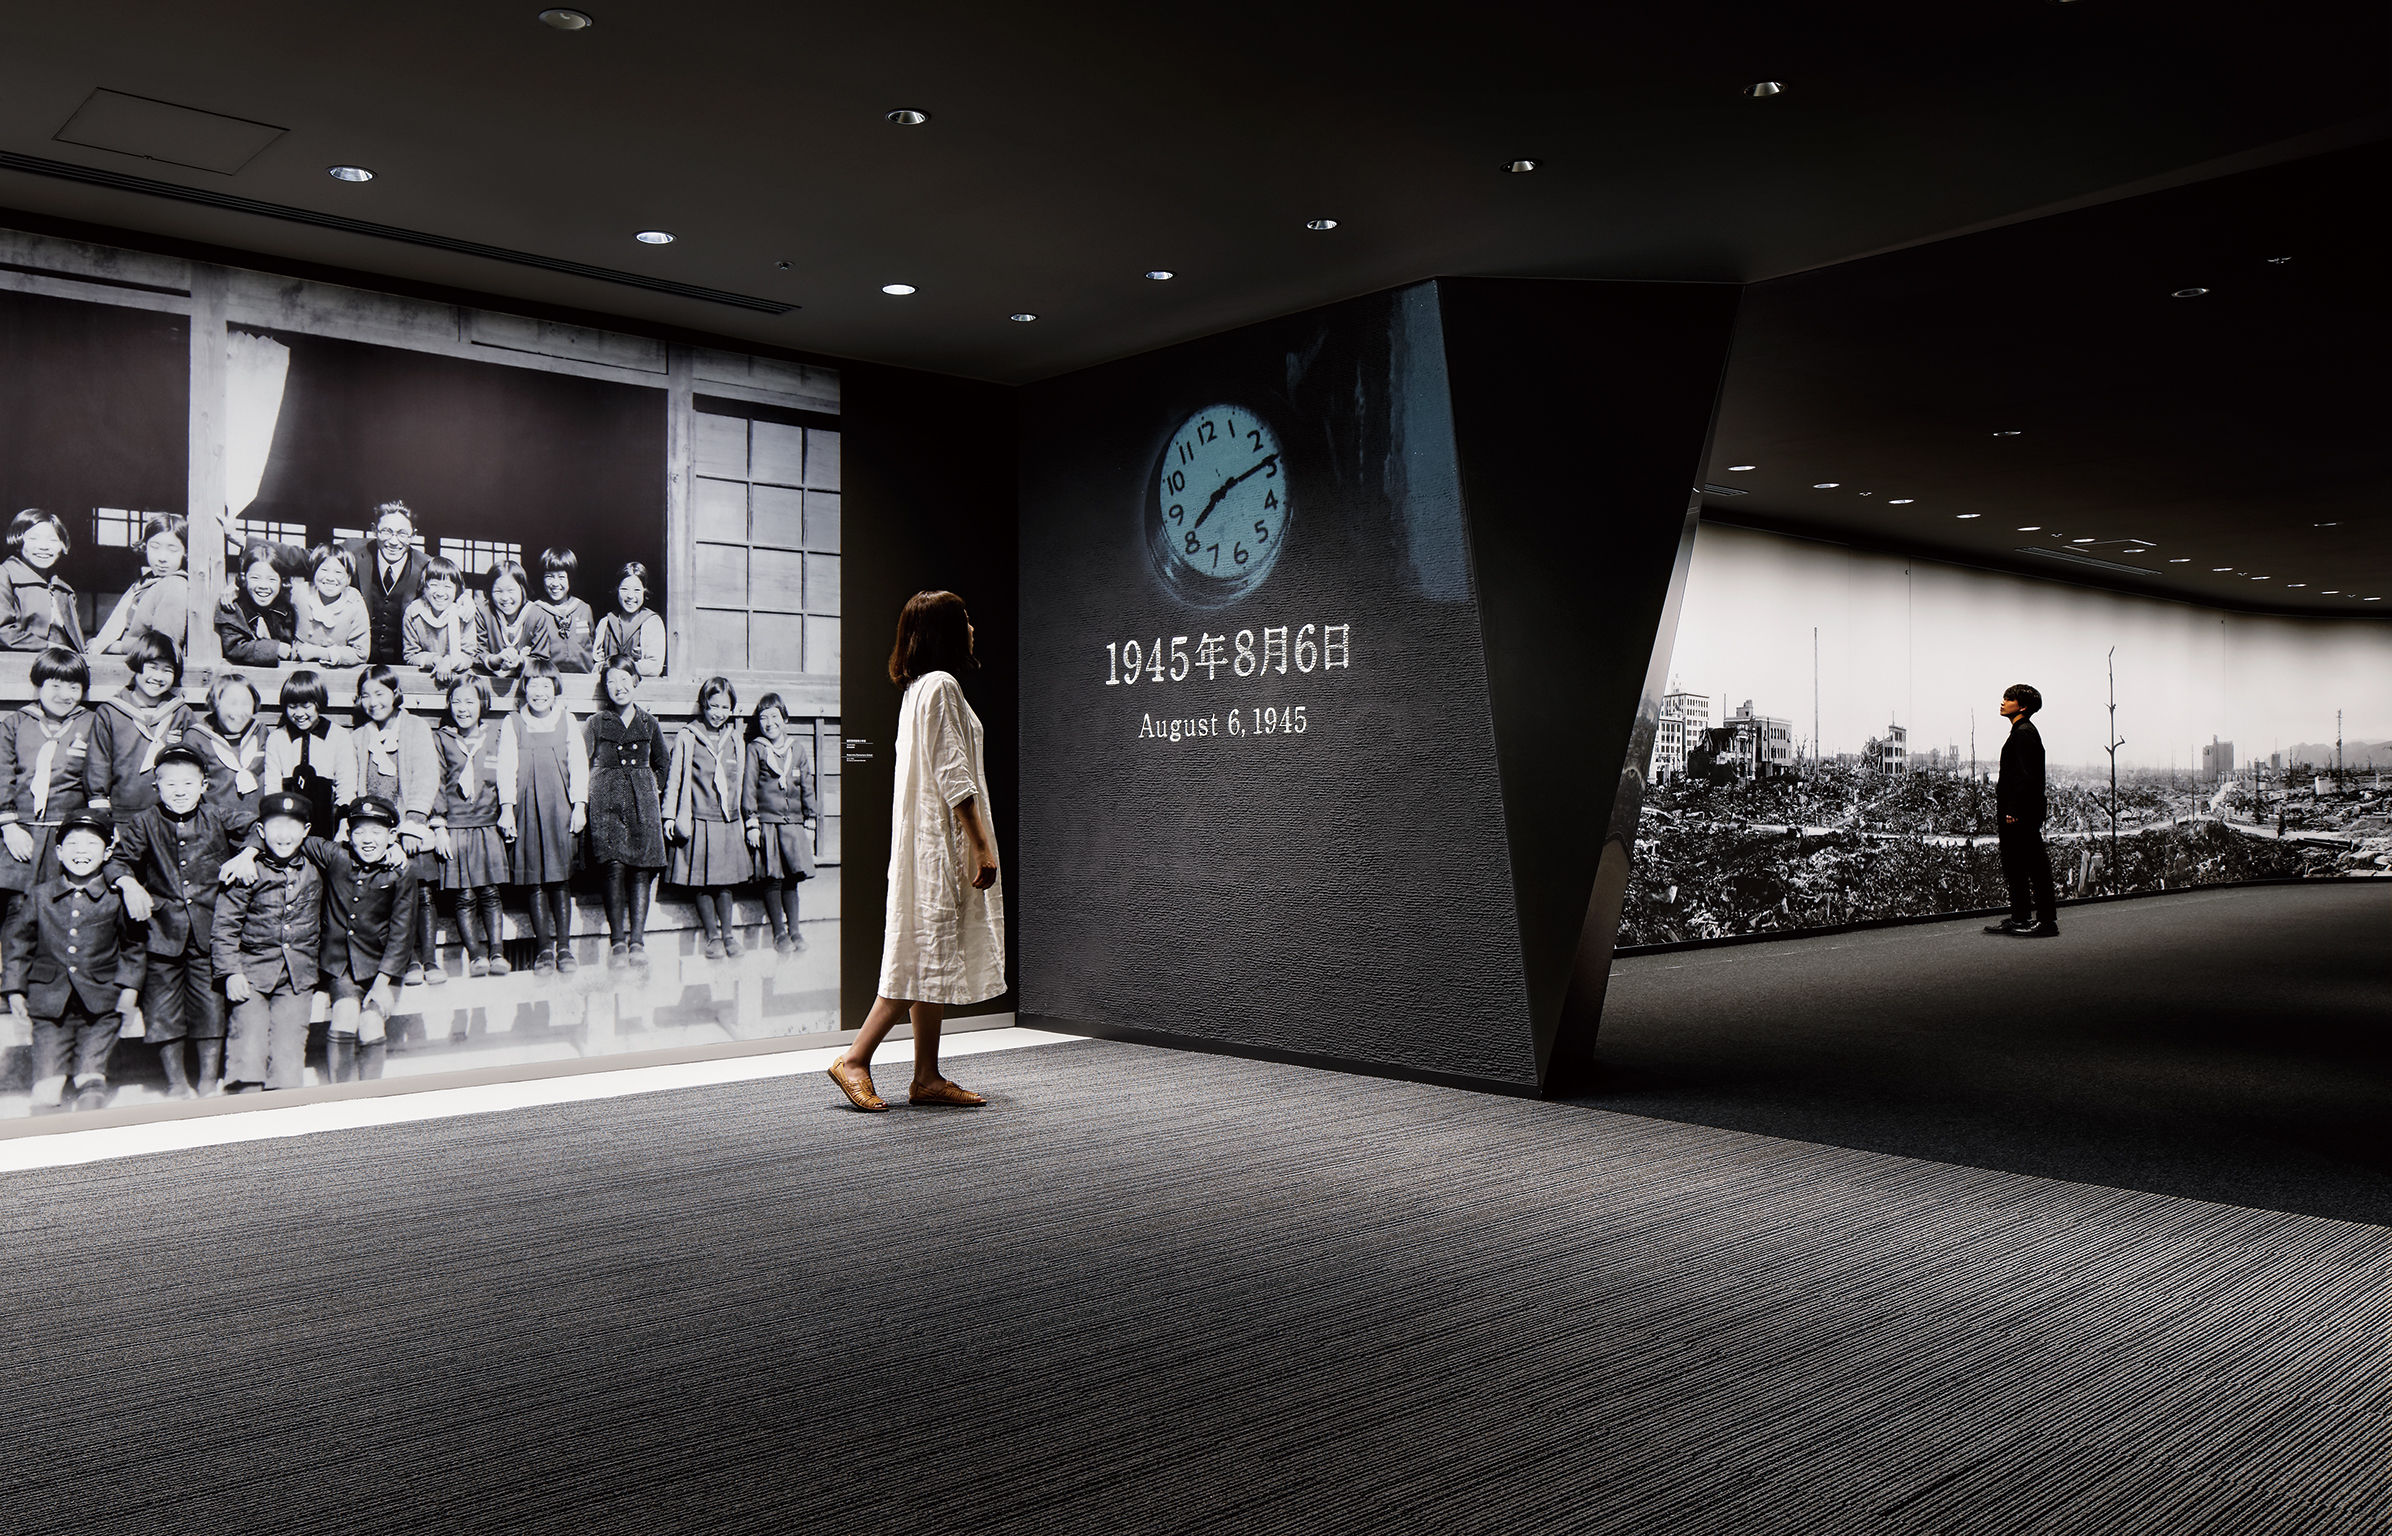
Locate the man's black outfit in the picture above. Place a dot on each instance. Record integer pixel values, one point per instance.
(387, 594)
(2018, 800)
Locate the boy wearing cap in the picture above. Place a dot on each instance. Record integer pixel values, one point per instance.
(74, 964)
(369, 907)
(267, 936)
(172, 856)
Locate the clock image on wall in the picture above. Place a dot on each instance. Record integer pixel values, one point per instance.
(1218, 511)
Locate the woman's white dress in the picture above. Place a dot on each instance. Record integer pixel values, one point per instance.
(945, 941)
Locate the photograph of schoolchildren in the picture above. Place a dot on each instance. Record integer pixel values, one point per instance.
(439, 764)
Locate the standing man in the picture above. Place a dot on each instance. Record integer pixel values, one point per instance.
(2018, 800)
(390, 573)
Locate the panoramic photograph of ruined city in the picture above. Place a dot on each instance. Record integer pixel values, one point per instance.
(1829, 744)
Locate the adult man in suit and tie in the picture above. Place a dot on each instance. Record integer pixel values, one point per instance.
(390, 570)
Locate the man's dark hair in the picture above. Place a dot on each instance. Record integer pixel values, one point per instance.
(2028, 699)
(933, 635)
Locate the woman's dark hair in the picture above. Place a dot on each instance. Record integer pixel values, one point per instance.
(623, 664)
(481, 690)
(559, 560)
(341, 553)
(225, 683)
(541, 666)
(166, 522)
(305, 686)
(151, 647)
(28, 520)
(713, 687)
(756, 720)
(57, 664)
(934, 634)
(632, 568)
(380, 672)
(254, 554)
(442, 568)
(2028, 699)
(513, 571)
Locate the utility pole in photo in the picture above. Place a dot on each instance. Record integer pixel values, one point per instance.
(2116, 741)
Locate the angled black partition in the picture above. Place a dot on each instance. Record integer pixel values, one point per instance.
(1337, 645)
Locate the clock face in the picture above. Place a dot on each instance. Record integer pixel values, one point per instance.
(1220, 507)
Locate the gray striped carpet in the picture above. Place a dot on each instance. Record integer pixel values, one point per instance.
(1155, 1292)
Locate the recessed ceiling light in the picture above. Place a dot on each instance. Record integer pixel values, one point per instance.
(2325, 525)
(564, 20)
(1024, 318)
(2080, 541)
(2296, 584)
(899, 289)
(1320, 223)
(1902, 501)
(2008, 432)
(1827, 485)
(1158, 275)
(348, 173)
(908, 117)
(1520, 167)
(1965, 516)
(1763, 90)
(1737, 469)
(2331, 592)
(2180, 560)
(2259, 578)
(2370, 599)
(2032, 528)
(2217, 568)
(2188, 293)
(654, 237)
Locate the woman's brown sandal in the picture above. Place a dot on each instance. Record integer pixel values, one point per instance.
(943, 1092)
(856, 1083)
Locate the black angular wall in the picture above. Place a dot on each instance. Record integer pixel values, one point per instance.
(1335, 643)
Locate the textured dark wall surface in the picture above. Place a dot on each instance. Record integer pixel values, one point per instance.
(94, 412)
(477, 450)
(1294, 892)
(1582, 409)
(928, 476)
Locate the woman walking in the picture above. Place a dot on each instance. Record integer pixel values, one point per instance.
(944, 943)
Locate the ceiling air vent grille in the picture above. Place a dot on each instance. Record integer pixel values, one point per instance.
(92, 176)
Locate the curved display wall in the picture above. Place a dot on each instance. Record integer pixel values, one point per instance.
(1829, 737)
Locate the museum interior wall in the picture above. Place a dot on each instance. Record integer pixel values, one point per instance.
(1829, 735)
(262, 410)
(1335, 632)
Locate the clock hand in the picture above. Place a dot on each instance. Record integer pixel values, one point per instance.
(1225, 488)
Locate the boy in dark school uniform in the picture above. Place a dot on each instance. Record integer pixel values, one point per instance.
(267, 936)
(369, 934)
(74, 965)
(172, 856)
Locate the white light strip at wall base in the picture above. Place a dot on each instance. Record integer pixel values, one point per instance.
(67, 1148)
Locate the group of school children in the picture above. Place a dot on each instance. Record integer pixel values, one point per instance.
(162, 862)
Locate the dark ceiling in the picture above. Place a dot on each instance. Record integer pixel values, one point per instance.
(2045, 376)
(1074, 146)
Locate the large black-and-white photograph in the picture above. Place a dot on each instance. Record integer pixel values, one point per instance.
(1828, 751)
(394, 688)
